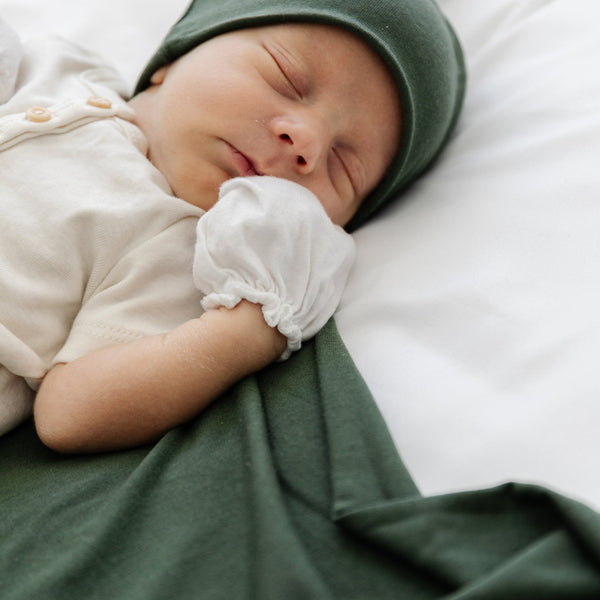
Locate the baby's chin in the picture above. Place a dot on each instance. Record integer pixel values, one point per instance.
(204, 196)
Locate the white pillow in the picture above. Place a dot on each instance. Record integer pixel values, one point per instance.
(474, 309)
(125, 33)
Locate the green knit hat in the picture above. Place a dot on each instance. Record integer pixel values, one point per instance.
(413, 38)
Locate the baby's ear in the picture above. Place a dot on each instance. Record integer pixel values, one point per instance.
(159, 76)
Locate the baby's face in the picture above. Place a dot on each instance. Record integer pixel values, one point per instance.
(306, 102)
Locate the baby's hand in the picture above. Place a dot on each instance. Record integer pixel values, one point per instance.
(11, 53)
(269, 241)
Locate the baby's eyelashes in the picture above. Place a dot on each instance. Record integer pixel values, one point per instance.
(292, 78)
(345, 168)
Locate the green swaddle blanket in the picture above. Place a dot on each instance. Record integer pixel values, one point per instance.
(289, 487)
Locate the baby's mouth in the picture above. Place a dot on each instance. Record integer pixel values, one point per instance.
(243, 165)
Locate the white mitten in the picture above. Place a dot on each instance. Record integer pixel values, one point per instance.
(269, 241)
(11, 53)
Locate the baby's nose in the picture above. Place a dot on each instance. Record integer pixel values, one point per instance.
(302, 141)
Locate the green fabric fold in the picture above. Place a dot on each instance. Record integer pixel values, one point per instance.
(288, 487)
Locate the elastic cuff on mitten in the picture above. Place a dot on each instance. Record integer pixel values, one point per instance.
(276, 313)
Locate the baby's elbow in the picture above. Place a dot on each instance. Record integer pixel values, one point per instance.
(52, 430)
(50, 436)
(53, 422)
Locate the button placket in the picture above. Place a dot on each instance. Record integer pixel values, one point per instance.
(62, 116)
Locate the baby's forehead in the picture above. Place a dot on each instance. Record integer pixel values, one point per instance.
(317, 32)
(319, 41)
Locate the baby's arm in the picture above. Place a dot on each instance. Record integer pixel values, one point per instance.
(126, 395)
(272, 267)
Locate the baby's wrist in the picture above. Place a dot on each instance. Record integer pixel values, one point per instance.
(254, 343)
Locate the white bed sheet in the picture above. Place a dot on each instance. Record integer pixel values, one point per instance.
(472, 311)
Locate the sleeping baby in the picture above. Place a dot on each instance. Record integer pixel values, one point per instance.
(157, 249)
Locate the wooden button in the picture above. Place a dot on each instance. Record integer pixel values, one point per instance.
(37, 114)
(99, 102)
